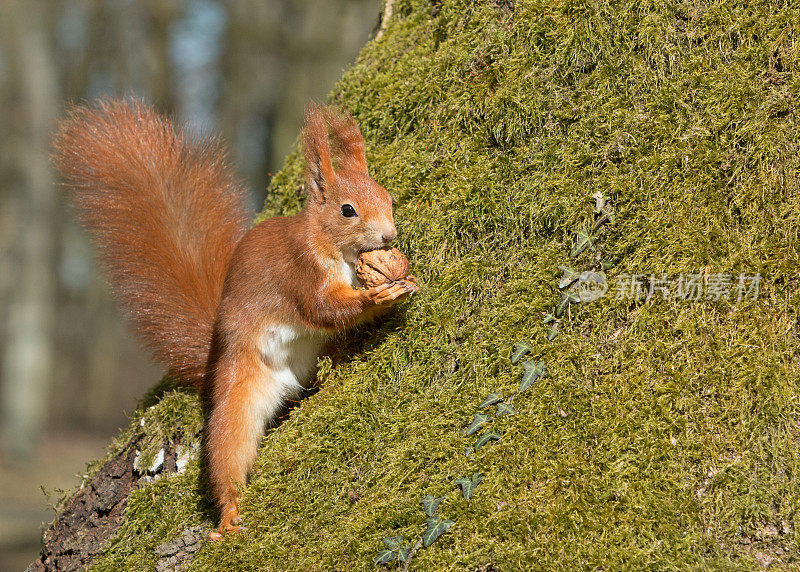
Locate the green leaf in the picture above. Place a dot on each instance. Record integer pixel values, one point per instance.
(562, 305)
(585, 240)
(430, 503)
(521, 349)
(569, 278)
(607, 264)
(469, 451)
(533, 370)
(549, 319)
(385, 556)
(504, 409)
(478, 421)
(468, 485)
(491, 399)
(490, 435)
(552, 332)
(393, 542)
(436, 527)
(403, 554)
(567, 298)
(605, 216)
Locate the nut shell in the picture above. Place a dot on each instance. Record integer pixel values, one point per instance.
(377, 267)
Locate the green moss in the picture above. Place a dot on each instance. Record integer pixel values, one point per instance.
(666, 433)
(155, 511)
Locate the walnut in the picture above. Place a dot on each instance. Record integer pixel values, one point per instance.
(377, 267)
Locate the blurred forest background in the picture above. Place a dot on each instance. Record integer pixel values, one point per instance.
(69, 368)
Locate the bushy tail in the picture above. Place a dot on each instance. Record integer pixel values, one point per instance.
(166, 212)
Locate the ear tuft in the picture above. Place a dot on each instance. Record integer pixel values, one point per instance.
(348, 144)
(317, 152)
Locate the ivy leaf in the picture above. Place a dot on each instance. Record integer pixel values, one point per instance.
(478, 421)
(553, 332)
(385, 556)
(468, 485)
(567, 298)
(521, 349)
(403, 554)
(504, 409)
(533, 370)
(491, 435)
(569, 278)
(393, 542)
(436, 527)
(430, 503)
(585, 240)
(491, 399)
(549, 319)
(561, 307)
(605, 216)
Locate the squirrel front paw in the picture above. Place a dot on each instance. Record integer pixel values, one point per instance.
(392, 292)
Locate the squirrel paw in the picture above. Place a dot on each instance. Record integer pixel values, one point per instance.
(392, 292)
(230, 522)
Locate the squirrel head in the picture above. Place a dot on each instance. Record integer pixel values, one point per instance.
(350, 210)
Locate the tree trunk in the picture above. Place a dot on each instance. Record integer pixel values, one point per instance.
(27, 361)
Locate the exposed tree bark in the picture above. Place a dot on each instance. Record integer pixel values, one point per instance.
(92, 514)
(388, 8)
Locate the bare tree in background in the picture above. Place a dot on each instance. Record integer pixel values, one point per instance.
(278, 55)
(32, 90)
(254, 67)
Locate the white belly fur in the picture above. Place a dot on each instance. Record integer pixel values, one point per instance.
(290, 355)
(289, 360)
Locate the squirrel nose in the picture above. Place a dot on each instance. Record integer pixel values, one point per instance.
(389, 236)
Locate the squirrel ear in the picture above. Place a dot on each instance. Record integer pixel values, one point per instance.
(348, 144)
(317, 153)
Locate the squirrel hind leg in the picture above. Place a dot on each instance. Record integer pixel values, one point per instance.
(245, 399)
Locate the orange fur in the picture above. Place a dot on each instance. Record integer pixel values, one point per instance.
(166, 212)
(253, 312)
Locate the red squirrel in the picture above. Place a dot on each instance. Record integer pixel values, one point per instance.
(243, 315)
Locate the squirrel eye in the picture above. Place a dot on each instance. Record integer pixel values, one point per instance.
(348, 210)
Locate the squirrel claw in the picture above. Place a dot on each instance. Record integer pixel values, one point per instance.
(411, 284)
(388, 293)
(230, 522)
(223, 530)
